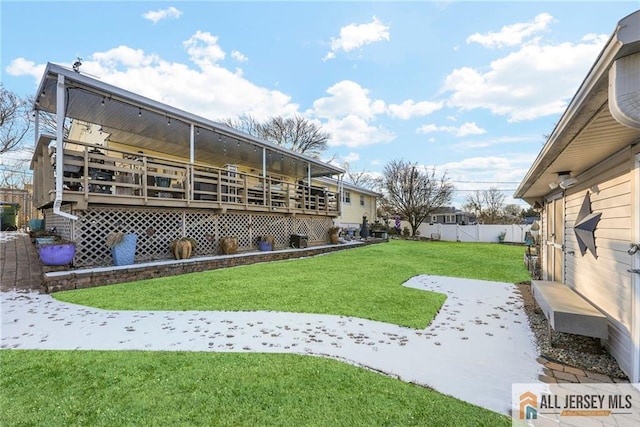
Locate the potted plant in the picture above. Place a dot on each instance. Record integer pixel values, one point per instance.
(334, 232)
(267, 242)
(123, 247)
(501, 236)
(58, 252)
(183, 247)
(229, 245)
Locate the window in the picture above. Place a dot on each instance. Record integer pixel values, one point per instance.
(450, 219)
(361, 200)
(434, 218)
(347, 197)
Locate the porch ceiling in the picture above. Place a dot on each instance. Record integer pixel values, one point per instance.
(600, 138)
(149, 125)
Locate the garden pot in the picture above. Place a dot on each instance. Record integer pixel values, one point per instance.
(124, 252)
(333, 238)
(44, 240)
(182, 249)
(265, 246)
(57, 254)
(229, 245)
(36, 224)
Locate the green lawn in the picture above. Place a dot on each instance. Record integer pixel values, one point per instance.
(60, 388)
(177, 388)
(363, 282)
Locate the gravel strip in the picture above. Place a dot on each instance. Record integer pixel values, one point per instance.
(569, 349)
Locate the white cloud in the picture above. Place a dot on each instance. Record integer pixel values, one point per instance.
(239, 56)
(157, 15)
(505, 140)
(23, 67)
(202, 86)
(460, 131)
(347, 98)
(491, 168)
(410, 108)
(512, 35)
(348, 113)
(354, 36)
(353, 131)
(535, 81)
(203, 49)
(351, 157)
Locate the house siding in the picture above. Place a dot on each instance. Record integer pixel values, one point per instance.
(604, 281)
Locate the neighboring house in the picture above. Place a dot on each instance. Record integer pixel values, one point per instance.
(137, 165)
(586, 182)
(451, 215)
(357, 202)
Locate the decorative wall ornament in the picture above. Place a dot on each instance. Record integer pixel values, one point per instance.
(585, 227)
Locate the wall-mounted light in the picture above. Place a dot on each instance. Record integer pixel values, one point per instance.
(563, 181)
(103, 98)
(139, 112)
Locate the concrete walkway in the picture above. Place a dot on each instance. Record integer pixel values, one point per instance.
(476, 347)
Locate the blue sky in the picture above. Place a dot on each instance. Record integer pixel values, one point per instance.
(469, 88)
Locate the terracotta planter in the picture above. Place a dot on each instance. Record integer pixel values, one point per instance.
(182, 249)
(229, 245)
(57, 254)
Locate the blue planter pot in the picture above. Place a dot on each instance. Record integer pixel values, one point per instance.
(44, 240)
(36, 224)
(124, 252)
(57, 254)
(265, 246)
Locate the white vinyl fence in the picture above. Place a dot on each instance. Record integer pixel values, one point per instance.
(515, 233)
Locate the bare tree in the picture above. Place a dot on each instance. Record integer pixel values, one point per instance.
(296, 133)
(513, 210)
(362, 179)
(414, 192)
(14, 120)
(487, 205)
(49, 124)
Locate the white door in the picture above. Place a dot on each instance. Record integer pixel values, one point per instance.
(554, 239)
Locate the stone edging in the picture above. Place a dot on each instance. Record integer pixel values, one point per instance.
(92, 277)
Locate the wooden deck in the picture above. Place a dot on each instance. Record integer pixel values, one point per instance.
(118, 177)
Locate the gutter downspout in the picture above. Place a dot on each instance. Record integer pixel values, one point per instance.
(60, 113)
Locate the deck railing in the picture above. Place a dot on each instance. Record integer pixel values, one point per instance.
(109, 175)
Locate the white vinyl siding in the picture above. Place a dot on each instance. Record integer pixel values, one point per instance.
(605, 281)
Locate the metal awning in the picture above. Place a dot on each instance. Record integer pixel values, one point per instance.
(146, 124)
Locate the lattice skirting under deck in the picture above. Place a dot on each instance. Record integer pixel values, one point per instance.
(157, 228)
